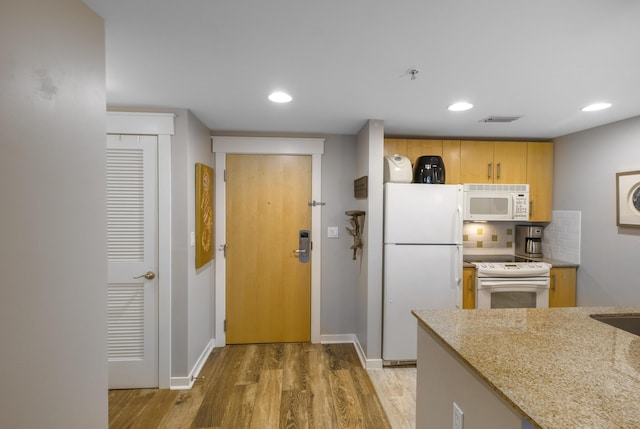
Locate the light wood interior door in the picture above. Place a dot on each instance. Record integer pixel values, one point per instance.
(268, 290)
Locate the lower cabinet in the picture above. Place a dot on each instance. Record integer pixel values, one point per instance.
(468, 288)
(562, 290)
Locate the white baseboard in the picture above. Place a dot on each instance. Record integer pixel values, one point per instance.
(182, 383)
(353, 339)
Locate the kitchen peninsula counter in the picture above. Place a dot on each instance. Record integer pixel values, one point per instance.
(556, 368)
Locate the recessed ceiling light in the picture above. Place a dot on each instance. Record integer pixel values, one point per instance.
(280, 97)
(596, 106)
(460, 106)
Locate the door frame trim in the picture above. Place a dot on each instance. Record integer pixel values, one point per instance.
(221, 146)
(161, 125)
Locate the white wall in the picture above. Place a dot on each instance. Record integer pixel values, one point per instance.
(53, 334)
(585, 170)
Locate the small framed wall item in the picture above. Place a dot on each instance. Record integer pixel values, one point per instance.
(628, 199)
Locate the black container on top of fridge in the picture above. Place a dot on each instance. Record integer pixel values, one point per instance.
(429, 169)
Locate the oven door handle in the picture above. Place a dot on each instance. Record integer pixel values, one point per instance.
(513, 284)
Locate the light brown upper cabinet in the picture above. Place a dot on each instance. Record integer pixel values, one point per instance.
(412, 148)
(493, 162)
(479, 161)
(451, 159)
(395, 147)
(540, 180)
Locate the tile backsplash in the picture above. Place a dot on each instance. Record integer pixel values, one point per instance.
(488, 235)
(562, 236)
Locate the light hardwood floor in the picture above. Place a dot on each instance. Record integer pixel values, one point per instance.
(396, 388)
(263, 386)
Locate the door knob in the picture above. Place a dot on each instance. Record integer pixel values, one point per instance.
(149, 275)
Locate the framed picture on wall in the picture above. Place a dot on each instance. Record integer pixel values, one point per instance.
(204, 214)
(628, 198)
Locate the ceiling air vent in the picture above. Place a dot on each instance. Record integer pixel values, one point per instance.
(500, 118)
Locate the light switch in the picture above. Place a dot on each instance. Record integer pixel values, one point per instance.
(193, 238)
(333, 232)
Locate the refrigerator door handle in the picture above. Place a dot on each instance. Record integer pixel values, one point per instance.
(459, 223)
(458, 275)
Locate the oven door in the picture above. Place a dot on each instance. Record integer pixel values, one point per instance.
(512, 292)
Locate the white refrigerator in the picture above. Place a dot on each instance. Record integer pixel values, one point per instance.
(422, 260)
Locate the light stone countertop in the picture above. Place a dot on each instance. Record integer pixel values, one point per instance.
(558, 367)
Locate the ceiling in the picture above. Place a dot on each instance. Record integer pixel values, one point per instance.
(346, 61)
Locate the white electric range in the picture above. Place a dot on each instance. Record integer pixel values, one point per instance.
(509, 281)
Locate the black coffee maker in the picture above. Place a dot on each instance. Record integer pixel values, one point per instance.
(428, 169)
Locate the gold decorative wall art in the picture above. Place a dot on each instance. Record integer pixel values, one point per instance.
(204, 214)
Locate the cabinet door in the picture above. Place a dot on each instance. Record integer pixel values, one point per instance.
(468, 288)
(510, 162)
(476, 161)
(419, 147)
(540, 179)
(395, 147)
(562, 291)
(451, 158)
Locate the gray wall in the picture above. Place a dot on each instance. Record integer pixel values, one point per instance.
(339, 271)
(201, 281)
(370, 151)
(53, 333)
(585, 170)
(191, 291)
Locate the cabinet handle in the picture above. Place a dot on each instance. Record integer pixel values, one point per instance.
(530, 208)
(490, 170)
(471, 285)
(553, 282)
(499, 164)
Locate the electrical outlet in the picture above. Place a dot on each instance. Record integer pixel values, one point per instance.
(458, 417)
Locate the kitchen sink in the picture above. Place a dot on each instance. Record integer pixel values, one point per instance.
(626, 322)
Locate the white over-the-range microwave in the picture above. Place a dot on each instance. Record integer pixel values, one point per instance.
(489, 202)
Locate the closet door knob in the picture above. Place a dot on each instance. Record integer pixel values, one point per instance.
(149, 275)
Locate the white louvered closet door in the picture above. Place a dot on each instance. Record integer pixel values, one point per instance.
(132, 252)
